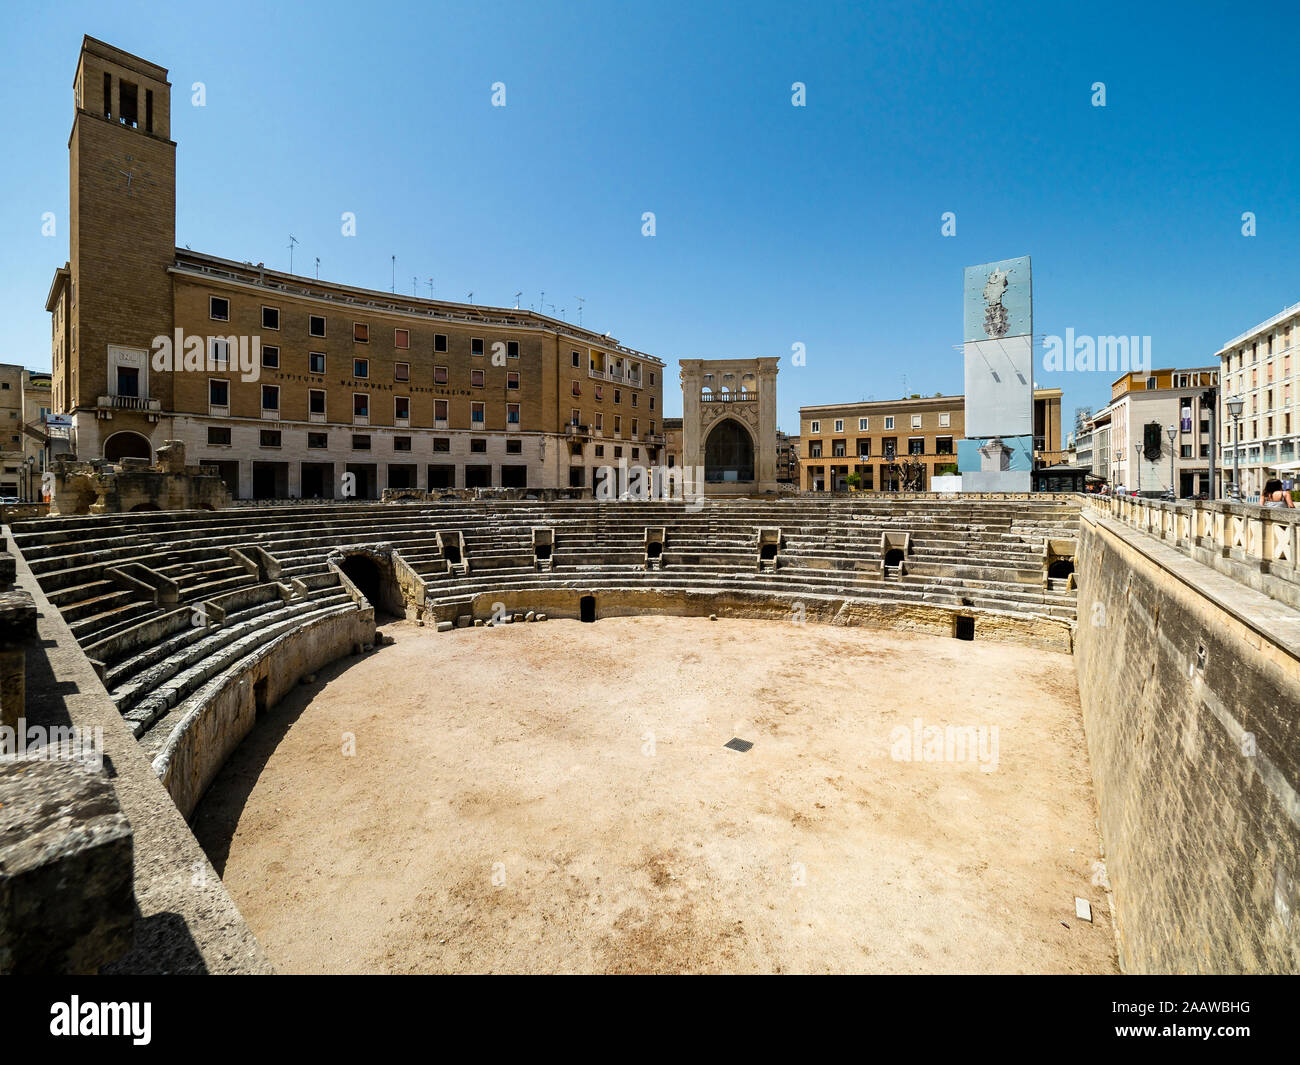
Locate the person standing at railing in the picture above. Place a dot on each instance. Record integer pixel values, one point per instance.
(1275, 495)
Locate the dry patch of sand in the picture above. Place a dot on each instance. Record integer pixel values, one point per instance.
(556, 797)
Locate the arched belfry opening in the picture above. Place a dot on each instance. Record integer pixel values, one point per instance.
(728, 453)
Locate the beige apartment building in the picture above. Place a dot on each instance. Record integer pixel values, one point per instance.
(1261, 367)
(287, 383)
(867, 437)
(1136, 451)
(12, 474)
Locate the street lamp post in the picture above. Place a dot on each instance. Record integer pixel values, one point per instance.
(1171, 432)
(1137, 462)
(1235, 405)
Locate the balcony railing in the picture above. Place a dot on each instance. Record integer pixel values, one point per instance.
(130, 403)
(728, 397)
(599, 375)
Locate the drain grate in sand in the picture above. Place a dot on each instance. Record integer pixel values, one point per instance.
(737, 744)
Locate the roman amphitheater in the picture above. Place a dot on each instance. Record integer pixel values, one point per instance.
(886, 733)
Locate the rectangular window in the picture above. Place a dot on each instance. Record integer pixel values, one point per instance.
(361, 332)
(839, 425)
(402, 407)
(401, 339)
(512, 349)
(477, 446)
(815, 427)
(476, 414)
(360, 405)
(476, 346)
(316, 325)
(271, 358)
(219, 393)
(635, 397)
(440, 375)
(916, 421)
(476, 378)
(218, 309)
(889, 421)
(600, 422)
(360, 367)
(270, 438)
(441, 443)
(440, 413)
(402, 371)
(127, 103)
(618, 425)
(862, 425)
(318, 441)
(514, 447)
(512, 381)
(360, 442)
(220, 352)
(401, 443)
(945, 420)
(575, 416)
(652, 403)
(576, 359)
(270, 397)
(316, 362)
(916, 445)
(575, 389)
(512, 414)
(218, 436)
(618, 396)
(316, 400)
(270, 317)
(439, 341)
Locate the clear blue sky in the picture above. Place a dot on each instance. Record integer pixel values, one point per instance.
(775, 224)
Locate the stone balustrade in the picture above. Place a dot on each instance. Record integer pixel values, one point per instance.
(1256, 545)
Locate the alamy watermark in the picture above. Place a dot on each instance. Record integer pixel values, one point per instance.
(952, 743)
(641, 484)
(211, 354)
(25, 742)
(1100, 354)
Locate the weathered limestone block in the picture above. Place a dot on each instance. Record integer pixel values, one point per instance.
(17, 628)
(66, 854)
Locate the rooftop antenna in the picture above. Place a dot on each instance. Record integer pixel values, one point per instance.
(581, 300)
(517, 295)
(471, 296)
(541, 304)
(414, 282)
(393, 288)
(292, 241)
(430, 288)
(318, 268)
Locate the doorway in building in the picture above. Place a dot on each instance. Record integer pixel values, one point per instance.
(587, 608)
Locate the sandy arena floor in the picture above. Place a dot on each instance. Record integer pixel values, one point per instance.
(557, 798)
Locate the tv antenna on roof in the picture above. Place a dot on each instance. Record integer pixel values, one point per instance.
(393, 287)
(581, 300)
(318, 268)
(430, 288)
(517, 295)
(292, 241)
(470, 297)
(414, 282)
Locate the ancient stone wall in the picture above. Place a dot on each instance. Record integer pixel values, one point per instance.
(1190, 691)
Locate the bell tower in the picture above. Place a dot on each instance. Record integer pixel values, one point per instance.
(122, 225)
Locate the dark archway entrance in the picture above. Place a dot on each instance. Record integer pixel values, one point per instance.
(729, 452)
(127, 445)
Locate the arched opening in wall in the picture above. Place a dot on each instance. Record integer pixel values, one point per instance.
(141, 507)
(729, 453)
(376, 583)
(894, 557)
(587, 608)
(127, 445)
(1060, 569)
